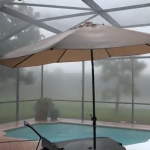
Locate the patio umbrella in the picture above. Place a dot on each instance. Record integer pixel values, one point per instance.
(86, 42)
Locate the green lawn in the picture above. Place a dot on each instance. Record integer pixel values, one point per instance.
(73, 110)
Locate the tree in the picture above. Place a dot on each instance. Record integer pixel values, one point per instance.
(8, 76)
(119, 73)
(8, 24)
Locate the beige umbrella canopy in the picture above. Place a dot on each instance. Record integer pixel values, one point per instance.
(74, 45)
(87, 42)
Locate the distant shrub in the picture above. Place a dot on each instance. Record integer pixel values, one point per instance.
(42, 107)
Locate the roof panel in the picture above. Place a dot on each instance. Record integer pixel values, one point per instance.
(65, 24)
(119, 3)
(42, 12)
(132, 16)
(73, 3)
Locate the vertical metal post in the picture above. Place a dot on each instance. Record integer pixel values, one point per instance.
(132, 90)
(17, 94)
(93, 96)
(83, 75)
(42, 81)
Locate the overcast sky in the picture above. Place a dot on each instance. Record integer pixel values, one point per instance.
(126, 17)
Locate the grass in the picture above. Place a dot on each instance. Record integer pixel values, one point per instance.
(73, 110)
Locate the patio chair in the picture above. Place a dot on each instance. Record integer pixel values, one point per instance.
(46, 144)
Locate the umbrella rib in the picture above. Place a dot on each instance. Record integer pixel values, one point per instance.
(23, 60)
(107, 52)
(62, 55)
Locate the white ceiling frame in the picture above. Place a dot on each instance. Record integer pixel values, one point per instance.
(97, 9)
(67, 16)
(30, 20)
(28, 25)
(50, 6)
(101, 11)
(79, 8)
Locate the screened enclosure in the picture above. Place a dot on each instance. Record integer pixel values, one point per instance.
(122, 84)
(122, 90)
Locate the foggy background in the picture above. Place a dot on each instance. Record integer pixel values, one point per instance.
(64, 81)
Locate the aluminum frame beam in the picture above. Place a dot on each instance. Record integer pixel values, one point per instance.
(80, 8)
(42, 80)
(132, 70)
(136, 25)
(127, 57)
(17, 93)
(51, 6)
(68, 16)
(22, 101)
(99, 11)
(83, 84)
(23, 17)
(127, 7)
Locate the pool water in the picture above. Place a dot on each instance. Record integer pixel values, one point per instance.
(63, 131)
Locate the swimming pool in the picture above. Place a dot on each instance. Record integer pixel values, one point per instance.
(65, 131)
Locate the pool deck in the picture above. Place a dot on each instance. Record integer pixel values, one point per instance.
(7, 143)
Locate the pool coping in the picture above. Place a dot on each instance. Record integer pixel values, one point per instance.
(19, 124)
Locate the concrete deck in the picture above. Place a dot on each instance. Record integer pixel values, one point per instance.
(7, 143)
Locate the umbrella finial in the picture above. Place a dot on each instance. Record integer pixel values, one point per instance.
(89, 24)
(86, 24)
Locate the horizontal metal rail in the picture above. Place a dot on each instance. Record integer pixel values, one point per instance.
(77, 101)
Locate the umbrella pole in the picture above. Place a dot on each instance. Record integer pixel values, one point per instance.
(93, 96)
